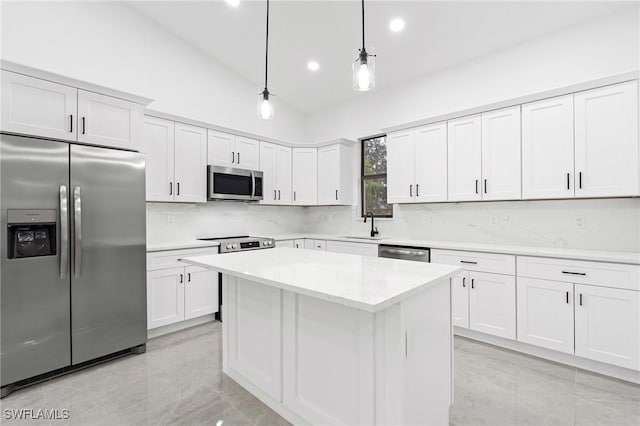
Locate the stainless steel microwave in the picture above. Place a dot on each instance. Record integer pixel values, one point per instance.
(228, 183)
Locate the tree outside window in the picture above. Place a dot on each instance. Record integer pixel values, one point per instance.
(374, 177)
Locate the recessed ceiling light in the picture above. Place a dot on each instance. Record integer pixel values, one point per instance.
(396, 25)
(233, 3)
(313, 66)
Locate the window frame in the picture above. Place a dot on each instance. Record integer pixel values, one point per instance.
(364, 177)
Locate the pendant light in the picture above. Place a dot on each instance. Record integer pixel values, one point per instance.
(364, 67)
(265, 101)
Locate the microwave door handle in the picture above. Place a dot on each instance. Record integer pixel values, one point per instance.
(64, 232)
(253, 186)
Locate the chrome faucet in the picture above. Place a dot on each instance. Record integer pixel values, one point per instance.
(374, 230)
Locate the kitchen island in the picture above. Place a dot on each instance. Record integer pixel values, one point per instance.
(328, 338)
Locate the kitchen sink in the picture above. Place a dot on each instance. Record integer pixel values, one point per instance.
(362, 238)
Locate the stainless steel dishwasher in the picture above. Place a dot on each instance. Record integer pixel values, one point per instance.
(418, 254)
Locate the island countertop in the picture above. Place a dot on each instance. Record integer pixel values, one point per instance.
(366, 283)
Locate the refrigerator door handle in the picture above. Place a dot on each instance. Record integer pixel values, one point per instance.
(77, 219)
(64, 232)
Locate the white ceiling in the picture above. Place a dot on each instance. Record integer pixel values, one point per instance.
(437, 35)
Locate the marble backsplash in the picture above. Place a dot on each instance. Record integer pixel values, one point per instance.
(606, 224)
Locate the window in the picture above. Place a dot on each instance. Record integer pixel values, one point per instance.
(374, 177)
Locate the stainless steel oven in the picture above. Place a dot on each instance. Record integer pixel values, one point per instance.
(228, 183)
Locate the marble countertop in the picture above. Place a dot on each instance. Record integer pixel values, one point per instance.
(363, 282)
(189, 244)
(574, 254)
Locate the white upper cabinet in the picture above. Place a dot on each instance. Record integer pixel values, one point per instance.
(38, 107)
(608, 325)
(190, 163)
(221, 149)
(606, 141)
(247, 153)
(275, 163)
(501, 154)
(159, 148)
(400, 162)
(108, 121)
(305, 176)
(464, 143)
(430, 163)
(547, 148)
(335, 174)
(233, 151)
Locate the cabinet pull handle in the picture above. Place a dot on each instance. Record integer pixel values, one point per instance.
(336, 194)
(294, 195)
(469, 262)
(181, 278)
(410, 190)
(580, 299)
(485, 186)
(568, 178)
(238, 158)
(567, 297)
(178, 188)
(278, 195)
(233, 157)
(170, 188)
(71, 122)
(574, 273)
(473, 282)
(417, 189)
(189, 277)
(476, 186)
(274, 194)
(83, 125)
(580, 180)
(464, 281)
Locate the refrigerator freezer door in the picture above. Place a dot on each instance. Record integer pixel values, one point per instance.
(34, 291)
(108, 278)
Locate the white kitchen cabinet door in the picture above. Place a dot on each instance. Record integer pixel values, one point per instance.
(159, 149)
(460, 299)
(255, 334)
(430, 163)
(221, 149)
(606, 141)
(190, 163)
(464, 145)
(492, 304)
(38, 107)
(247, 153)
(108, 121)
(545, 313)
(305, 176)
(270, 177)
(309, 244)
(200, 292)
(299, 244)
(547, 148)
(165, 297)
(608, 325)
(501, 170)
(328, 174)
(400, 171)
(283, 174)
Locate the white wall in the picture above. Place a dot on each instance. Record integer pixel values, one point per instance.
(592, 50)
(111, 44)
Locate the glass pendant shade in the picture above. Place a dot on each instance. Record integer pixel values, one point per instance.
(364, 71)
(265, 105)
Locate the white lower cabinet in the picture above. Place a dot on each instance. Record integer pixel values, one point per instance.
(286, 243)
(299, 243)
(492, 304)
(608, 325)
(460, 299)
(353, 248)
(177, 291)
(545, 313)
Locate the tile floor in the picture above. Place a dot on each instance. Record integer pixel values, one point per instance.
(179, 381)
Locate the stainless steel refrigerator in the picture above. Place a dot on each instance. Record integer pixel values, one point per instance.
(72, 270)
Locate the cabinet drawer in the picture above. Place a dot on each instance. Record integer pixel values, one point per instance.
(581, 272)
(319, 245)
(475, 261)
(170, 259)
(363, 249)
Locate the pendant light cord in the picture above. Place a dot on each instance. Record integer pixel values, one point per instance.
(362, 25)
(266, 56)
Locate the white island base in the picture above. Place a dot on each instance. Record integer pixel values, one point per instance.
(315, 361)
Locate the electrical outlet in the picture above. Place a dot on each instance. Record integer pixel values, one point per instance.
(171, 220)
(493, 220)
(580, 221)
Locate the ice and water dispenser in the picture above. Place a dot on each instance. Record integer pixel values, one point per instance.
(31, 233)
